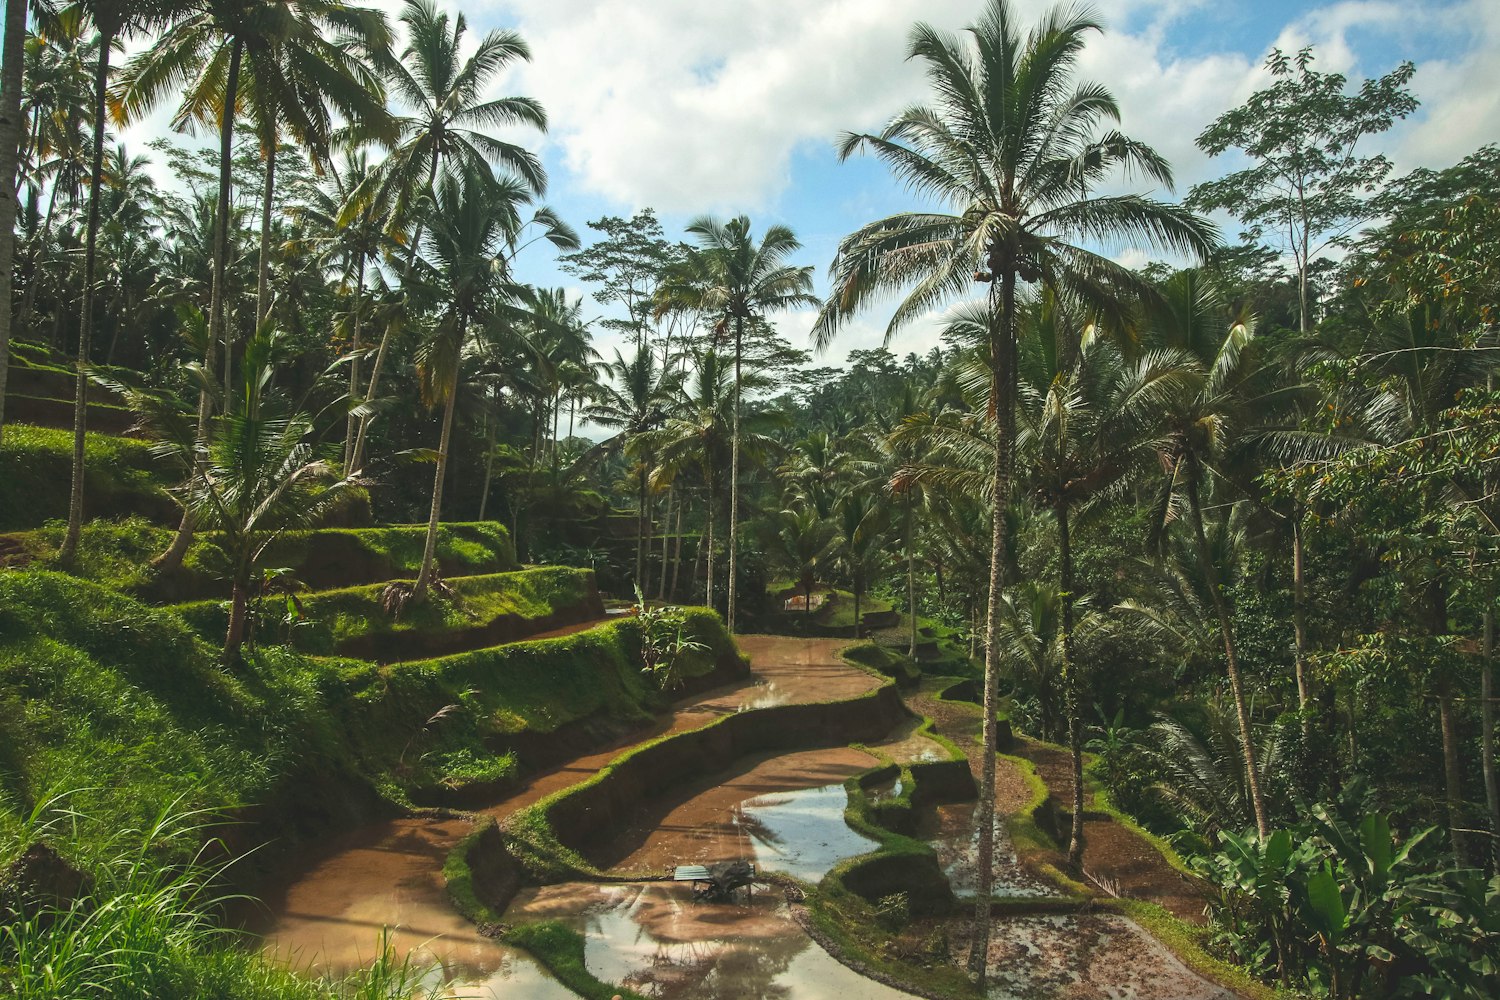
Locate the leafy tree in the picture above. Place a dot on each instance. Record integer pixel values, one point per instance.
(447, 132)
(113, 20)
(474, 224)
(629, 265)
(1308, 187)
(740, 282)
(1010, 146)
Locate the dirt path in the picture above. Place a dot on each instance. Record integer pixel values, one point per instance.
(1112, 853)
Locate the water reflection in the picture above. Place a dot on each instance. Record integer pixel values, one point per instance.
(655, 940)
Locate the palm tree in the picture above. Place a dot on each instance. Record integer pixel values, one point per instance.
(113, 20)
(804, 543)
(1223, 390)
(445, 133)
(473, 227)
(860, 520)
(12, 63)
(1012, 147)
(350, 243)
(262, 471)
(222, 56)
(739, 282)
(633, 400)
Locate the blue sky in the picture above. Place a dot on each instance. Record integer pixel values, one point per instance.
(730, 106)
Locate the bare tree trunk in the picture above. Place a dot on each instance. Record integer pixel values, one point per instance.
(1299, 620)
(1002, 332)
(734, 475)
(12, 61)
(69, 548)
(171, 559)
(429, 549)
(858, 630)
(1231, 655)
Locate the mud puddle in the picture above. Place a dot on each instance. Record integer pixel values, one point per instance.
(1087, 957)
(955, 837)
(655, 940)
(329, 918)
(785, 813)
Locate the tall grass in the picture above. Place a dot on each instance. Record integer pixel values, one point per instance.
(145, 928)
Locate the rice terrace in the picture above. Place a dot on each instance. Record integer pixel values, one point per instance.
(521, 500)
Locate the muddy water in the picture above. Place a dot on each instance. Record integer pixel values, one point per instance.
(654, 939)
(1087, 957)
(329, 917)
(955, 837)
(328, 914)
(785, 813)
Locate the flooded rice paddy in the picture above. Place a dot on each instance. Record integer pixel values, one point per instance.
(785, 812)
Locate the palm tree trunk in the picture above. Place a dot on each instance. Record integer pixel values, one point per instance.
(354, 352)
(640, 532)
(1070, 683)
(677, 552)
(911, 586)
(263, 271)
(1487, 736)
(708, 587)
(234, 636)
(385, 337)
(34, 261)
(1453, 791)
(1299, 620)
(12, 61)
(666, 538)
(1231, 655)
(734, 474)
(1002, 332)
(858, 587)
(171, 559)
(69, 548)
(429, 549)
(489, 461)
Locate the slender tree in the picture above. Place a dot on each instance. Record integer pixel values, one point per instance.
(740, 282)
(1010, 146)
(447, 130)
(113, 20)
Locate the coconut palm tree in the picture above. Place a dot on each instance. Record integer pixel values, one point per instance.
(633, 400)
(1011, 147)
(738, 282)
(12, 65)
(222, 57)
(351, 244)
(446, 131)
(113, 20)
(805, 544)
(473, 228)
(860, 520)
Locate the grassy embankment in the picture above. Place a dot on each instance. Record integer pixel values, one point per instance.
(122, 706)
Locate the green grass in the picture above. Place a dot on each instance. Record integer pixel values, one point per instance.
(121, 477)
(331, 617)
(884, 661)
(560, 949)
(117, 554)
(144, 930)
